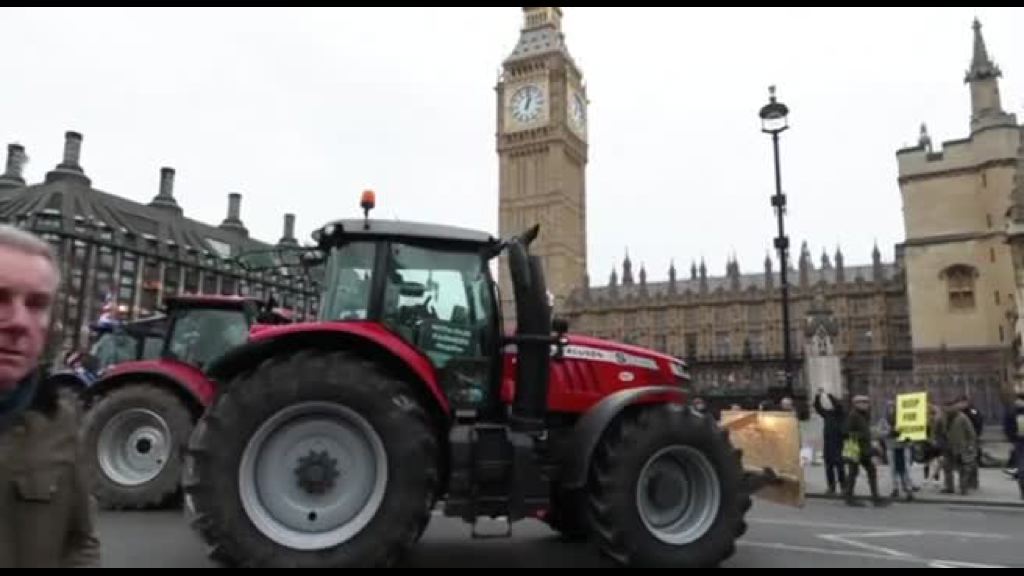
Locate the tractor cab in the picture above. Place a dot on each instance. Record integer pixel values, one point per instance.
(130, 341)
(429, 285)
(201, 328)
(432, 285)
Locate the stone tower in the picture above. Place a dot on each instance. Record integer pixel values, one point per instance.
(542, 153)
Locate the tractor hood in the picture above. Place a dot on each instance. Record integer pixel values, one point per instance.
(588, 348)
(590, 369)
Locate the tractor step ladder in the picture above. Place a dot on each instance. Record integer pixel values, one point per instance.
(492, 528)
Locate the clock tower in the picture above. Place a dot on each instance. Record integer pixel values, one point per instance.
(542, 154)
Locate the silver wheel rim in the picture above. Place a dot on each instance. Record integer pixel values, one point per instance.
(134, 447)
(313, 476)
(678, 495)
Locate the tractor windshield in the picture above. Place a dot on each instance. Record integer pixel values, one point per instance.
(122, 342)
(113, 348)
(200, 336)
(349, 273)
(438, 300)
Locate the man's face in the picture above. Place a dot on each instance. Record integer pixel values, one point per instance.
(862, 405)
(28, 284)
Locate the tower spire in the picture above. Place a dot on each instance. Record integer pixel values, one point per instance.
(541, 34)
(925, 140)
(983, 77)
(534, 18)
(627, 270)
(982, 65)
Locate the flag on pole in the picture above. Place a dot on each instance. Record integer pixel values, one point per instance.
(108, 313)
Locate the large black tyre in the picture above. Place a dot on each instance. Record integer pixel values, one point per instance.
(665, 490)
(355, 402)
(134, 440)
(568, 514)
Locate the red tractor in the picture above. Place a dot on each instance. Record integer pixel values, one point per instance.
(141, 412)
(329, 443)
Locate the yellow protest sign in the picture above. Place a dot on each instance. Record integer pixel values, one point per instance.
(912, 416)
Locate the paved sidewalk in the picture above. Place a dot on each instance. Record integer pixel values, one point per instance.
(997, 489)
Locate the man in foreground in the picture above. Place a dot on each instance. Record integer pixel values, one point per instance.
(47, 517)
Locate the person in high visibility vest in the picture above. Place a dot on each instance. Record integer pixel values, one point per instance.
(857, 452)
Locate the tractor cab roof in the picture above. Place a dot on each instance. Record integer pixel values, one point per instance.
(356, 229)
(267, 315)
(209, 301)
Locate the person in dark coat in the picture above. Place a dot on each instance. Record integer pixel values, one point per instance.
(973, 414)
(1014, 427)
(978, 423)
(960, 450)
(933, 448)
(831, 411)
(858, 430)
(47, 517)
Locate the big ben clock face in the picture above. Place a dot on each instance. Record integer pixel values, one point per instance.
(527, 103)
(578, 112)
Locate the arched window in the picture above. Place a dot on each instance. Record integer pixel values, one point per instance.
(960, 280)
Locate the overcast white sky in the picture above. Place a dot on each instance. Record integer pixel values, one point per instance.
(300, 110)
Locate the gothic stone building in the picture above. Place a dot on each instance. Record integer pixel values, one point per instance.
(962, 207)
(729, 328)
(137, 254)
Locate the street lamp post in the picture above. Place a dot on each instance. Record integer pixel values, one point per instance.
(774, 121)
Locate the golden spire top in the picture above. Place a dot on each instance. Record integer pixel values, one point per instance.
(534, 18)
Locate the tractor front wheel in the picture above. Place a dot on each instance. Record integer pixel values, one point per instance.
(665, 490)
(134, 442)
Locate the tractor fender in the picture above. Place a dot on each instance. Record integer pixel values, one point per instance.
(368, 339)
(591, 426)
(186, 381)
(67, 379)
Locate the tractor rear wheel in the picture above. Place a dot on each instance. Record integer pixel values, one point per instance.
(665, 490)
(316, 459)
(134, 442)
(568, 514)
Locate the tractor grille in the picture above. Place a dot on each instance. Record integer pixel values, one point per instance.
(576, 376)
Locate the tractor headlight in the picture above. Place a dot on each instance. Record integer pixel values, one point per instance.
(680, 372)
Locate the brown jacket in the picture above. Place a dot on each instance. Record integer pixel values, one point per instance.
(47, 517)
(961, 439)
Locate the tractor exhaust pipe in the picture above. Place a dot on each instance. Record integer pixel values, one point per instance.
(533, 338)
